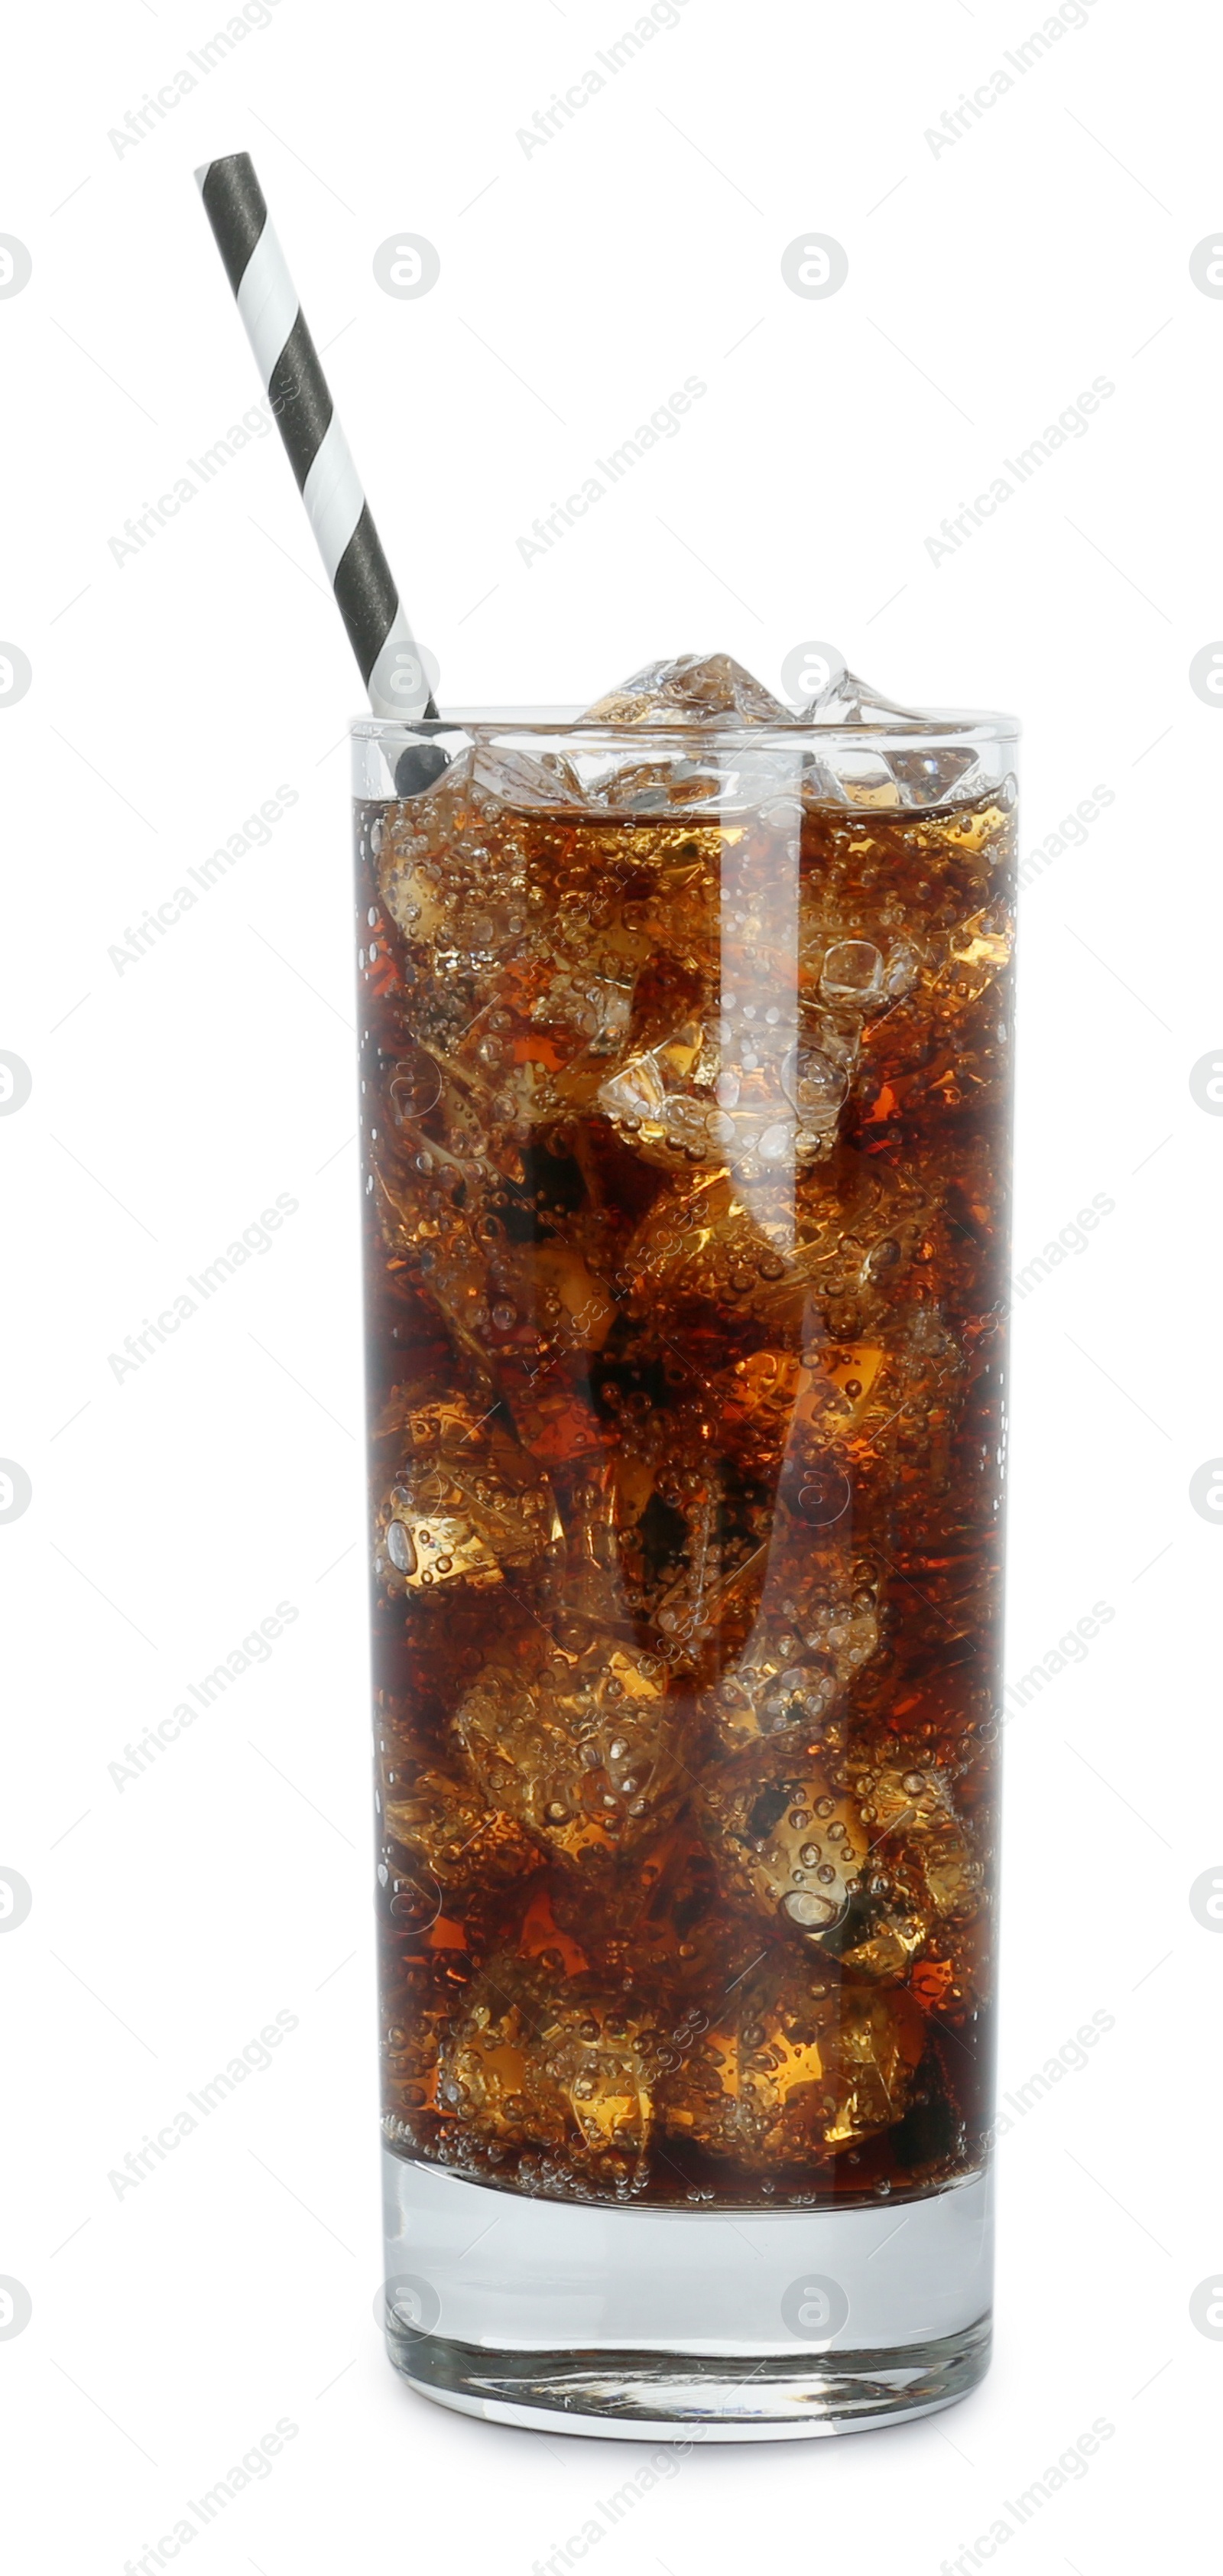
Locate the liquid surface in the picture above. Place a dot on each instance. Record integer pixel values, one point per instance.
(685, 1146)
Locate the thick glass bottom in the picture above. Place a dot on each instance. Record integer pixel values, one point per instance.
(653, 2396)
(681, 2325)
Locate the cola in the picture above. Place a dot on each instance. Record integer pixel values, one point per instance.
(686, 1033)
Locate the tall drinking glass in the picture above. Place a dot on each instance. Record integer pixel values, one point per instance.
(685, 1111)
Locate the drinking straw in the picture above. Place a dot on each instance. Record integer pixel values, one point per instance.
(360, 576)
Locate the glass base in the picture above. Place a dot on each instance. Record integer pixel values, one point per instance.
(674, 2325)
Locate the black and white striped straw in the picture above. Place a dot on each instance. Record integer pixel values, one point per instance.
(338, 511)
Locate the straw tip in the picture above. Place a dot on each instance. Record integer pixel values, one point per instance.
(223, 161)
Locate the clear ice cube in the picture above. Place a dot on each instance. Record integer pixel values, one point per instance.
(449, 1833)
(847, 700)
(915, 1808)
(787, 1845)
(522, 779)
(938, 774)
(461, 1504)
(803, 1652)
(852, 973)
(577, 1740)
(551, 2063)
(693, 689)
(795, 2065)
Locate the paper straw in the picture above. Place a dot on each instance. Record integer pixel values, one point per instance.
(330, 486)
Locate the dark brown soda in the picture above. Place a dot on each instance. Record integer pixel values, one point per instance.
(685, 1150)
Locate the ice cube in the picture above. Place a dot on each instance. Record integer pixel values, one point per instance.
(551, 2063)
(802, 1653)
(795, 2065)
(852, 973)
(889, 1941)
(448, 1833)
(943, 1039)
(787, 1845)
(945, 774)
(594, 994)
(455, 869)
(816, 1080)
(870, 1403)
(770, 1691)
(693, 689)
(756, 1399)
(879, 2043)
(549, 1292)
(855, 1222)
(664, 1102)
(420, 2003)
(578, 1741)
(736, 1094)
(525, 781)
(636, 786)
(914, 1809)
(954, 1975)
(865, 778)
(460, 1502)
(667, 1508)
(847, 700)
(977, 951)
(430, 1224)
(865, 774)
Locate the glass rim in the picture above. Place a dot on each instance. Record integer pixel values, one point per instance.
(931, 724)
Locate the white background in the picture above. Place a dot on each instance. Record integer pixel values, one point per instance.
(989, 283)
